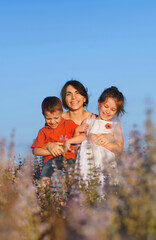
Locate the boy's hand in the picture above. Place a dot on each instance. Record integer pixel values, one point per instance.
(55, 148)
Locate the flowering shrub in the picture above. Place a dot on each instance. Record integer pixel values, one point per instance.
(124, 208)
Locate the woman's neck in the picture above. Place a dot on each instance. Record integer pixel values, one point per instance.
(98, 117)
(77, 116)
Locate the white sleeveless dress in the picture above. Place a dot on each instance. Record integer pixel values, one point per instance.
(90, 154)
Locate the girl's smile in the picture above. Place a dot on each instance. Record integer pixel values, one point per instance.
(107, 109)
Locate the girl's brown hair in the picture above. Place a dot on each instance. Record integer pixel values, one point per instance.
(113, 92)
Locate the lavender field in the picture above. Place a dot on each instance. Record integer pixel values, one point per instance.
(125, 208)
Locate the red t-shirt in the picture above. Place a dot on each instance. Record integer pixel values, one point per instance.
(47, 134)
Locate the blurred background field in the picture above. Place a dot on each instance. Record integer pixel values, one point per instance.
(99, 43)
(123, 210)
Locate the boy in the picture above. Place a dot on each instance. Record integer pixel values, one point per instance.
(56, 128)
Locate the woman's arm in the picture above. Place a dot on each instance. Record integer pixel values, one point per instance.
(116, 145)
(113, 143)
(79, 135)
(82, 128)
(40, 151)
(55, 148)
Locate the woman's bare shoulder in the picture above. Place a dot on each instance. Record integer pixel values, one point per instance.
(89, 115)
(65, 115)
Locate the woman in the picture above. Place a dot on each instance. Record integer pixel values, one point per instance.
(74, 98)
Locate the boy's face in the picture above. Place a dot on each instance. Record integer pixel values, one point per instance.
(53, 119)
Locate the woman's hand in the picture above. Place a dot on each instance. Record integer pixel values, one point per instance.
(99, 139)
(102, 140)
(81, 129)
(55, 148)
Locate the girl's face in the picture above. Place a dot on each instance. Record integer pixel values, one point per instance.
(107, 109)
(74, 99)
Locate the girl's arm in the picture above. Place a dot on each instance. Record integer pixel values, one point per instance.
(75, 140)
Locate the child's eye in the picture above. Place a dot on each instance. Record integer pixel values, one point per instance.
(105, 106)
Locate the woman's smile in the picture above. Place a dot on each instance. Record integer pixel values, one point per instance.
(73, 98)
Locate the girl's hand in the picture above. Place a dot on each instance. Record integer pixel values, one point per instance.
(55, 148)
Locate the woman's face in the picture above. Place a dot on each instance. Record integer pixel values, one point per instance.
(107, 109)
(74, 99)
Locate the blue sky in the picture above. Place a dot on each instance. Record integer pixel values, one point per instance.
(100, 43)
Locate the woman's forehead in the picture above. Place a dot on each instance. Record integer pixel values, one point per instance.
(70, 88)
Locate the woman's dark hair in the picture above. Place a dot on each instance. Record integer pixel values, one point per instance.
(51, 104)
(113, 92)
(79, 87)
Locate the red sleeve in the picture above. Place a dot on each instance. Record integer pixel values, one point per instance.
(72, 126)
(40, 140)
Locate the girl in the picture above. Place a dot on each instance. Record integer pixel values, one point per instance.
(110, 104)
